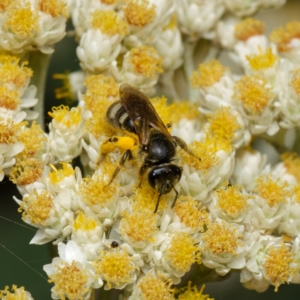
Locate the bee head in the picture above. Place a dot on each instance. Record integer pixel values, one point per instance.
(163, 178)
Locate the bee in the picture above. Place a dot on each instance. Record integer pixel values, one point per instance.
(135, 114)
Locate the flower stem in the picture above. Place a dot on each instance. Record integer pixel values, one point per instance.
(39, 63)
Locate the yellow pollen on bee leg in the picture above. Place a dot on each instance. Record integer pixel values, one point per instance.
(70, 281)
(54, 8)
(272, 190)
(263, 60)
(182, 252)
(247, 28)
(114, 267)
(283, 36)
(21, 19)
(109, 22)
(36, 207)
(221, 239)
(146, 61)
(139, 12)
(280, 265)
(208, 74)
(253, 93)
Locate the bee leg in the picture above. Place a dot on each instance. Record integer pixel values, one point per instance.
(126, 155)
(160, 193)
(143, 170)
(182, 144)
(174, 202)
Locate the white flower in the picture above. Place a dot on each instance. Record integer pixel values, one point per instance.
(73, 276)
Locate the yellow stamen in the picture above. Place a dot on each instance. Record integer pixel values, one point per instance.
(26, 171)
(232, 201)
(66, 90)
(139, 226)
(263, 60)
(172, 24)
(254, 94)
(70, 281)
(295, 82)
(296, 193)
(84, 223)
(146, 61)
(139, 12)
(291, 162)
(189, 212)
(21, 19)
(94, 191)
(184, 109)
(65, 116)
(4, 4)
(208, 74)
(192, 293)
(223, 124)
(115, 267)
(206, 151)
(221, 239)
(33, 138)
(272, 191)
(58, 175)
(156, 288)
(14, 72)
(8, 131)
(283, 36)
(9, 99)
(109, 22)
(55, 8)
(182, 252)
(36, 207)
(247, 28)
(16, 294)
(280, 265)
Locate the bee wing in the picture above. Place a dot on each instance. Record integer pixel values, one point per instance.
(141, 112)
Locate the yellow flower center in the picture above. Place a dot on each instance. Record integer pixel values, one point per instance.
(37, 207)
(263, 60)
(9, 99)
(192, 293)
(146, 61)
(182, 252)
(189, 212)
(4, 5)
(55, 8)
(248, 28)
(272, 191)
(139, 12)
(109, 22)
(291, 162)
(115, 267)
(8, 131)
(139, 226)
(13, 73)
(84, 223)
(208, 74)
(156, 288)
(26, 171)
(254, 94)
(16, 294)
(295, 82)
(283, 36)
(70, 281)
(21, 19)
(280, 265)
(232, 201)
(221, 239)
(94, 190)
(65, 116)
(58, 175)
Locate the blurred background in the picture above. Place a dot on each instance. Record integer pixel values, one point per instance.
(22, 264)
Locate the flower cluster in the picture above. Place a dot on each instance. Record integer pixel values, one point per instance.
(231, 209)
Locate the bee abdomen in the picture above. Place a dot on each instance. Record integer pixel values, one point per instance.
(118, 117)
